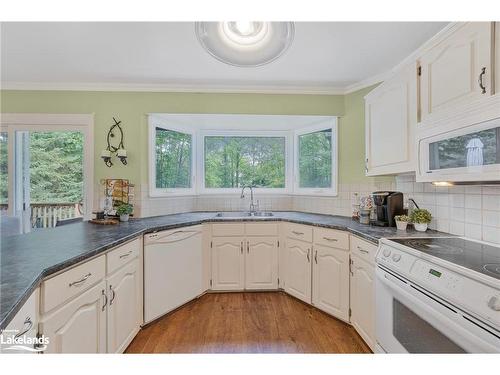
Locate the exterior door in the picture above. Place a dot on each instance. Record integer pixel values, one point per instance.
(298, 269)
(80, 325)
(331, 281)
(363, 299)
(228, 263)
(452, 71)
(124, 306)
(261, 263)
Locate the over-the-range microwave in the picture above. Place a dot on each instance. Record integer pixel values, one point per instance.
(464, 154)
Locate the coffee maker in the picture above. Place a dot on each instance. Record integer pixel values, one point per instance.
(387, 205)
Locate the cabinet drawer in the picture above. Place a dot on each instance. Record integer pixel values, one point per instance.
(299, 232)
(261, 229)
(122, 255)
(228, 229)
(331, 238)
(72, 282)
(364, 249)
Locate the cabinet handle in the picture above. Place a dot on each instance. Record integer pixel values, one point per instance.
(363, 250)
(125, 255)
(480, 80)
(78, 282)
(316, 256)
(28, 324)
(103, 292)
(297, 233)
(308, 258)
(113, 294)
(248, 247)
(241, 247)
(330, 239)
(366, 165)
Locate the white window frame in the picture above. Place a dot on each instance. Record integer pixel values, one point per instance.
(333, 190)
(159, 122)
(235, 133)
(84, 123)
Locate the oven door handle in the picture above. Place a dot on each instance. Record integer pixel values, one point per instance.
(432, 311)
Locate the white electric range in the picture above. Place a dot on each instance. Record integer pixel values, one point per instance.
(437, 295)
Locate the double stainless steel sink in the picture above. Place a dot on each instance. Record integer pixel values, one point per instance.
(237, 214)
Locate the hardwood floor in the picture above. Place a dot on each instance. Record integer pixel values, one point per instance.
(259, 322)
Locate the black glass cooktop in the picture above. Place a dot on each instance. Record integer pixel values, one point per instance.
(475, 256)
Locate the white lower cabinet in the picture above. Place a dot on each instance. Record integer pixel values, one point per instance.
(79, 326)
(363, 290)
(261, 263)
(331, 281)
(124, 306)
(228, 265)
(298, 269)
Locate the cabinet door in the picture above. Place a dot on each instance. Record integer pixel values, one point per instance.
(261, 263)
(331, 281)
(124, 306)
(363, 299)
(451, 70)
(391, 116)
(497, 58)
(79, 326)
(298, 269)
(228, 263)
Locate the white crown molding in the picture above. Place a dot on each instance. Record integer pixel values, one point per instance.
(367, 82)
(188, 88)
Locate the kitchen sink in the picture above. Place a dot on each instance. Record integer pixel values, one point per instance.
(233, 214)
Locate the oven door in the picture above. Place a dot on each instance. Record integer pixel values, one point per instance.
(410, 319)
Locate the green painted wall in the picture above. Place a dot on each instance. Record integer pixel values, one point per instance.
(132, 108)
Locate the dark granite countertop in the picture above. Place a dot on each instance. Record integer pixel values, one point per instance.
(27, 259)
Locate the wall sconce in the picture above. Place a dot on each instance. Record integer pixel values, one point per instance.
(119, 150)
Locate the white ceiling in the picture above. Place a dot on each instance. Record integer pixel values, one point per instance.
(325, 56)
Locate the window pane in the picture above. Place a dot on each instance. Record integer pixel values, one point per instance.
(173, 159)
(315, 159)
(233, 162)
(4, 163)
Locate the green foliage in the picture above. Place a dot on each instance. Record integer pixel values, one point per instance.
(3, 169)
(315, 160)
(233, 162)
(420, 216)
(173, 159)
(56, 167)
(124, 209)
(401, 218)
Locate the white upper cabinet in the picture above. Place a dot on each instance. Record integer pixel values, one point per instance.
(331, 280)
(457, 70)
(298, 269)
(497, 57)
(261, 263)
(228, 267)
(390, 119)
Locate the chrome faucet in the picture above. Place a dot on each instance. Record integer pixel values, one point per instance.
(253, 207)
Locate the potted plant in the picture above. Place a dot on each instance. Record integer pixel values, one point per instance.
(124, 210)
(401, 221)
(420, 218)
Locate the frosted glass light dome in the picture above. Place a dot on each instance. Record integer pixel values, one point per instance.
(245, 43)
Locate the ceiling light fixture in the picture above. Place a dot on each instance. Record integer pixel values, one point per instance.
(245, 43)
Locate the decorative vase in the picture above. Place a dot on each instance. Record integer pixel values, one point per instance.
(124, 217)
(401, 225)
(421, 227)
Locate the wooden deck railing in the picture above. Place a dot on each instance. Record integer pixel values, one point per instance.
(46, 215)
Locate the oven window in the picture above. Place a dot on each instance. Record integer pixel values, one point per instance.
(418, 336)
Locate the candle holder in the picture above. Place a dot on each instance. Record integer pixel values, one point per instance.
(119, 150)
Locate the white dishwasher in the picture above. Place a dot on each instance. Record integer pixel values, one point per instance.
(172, 269)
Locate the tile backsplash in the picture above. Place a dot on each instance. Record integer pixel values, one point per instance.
(470, 211)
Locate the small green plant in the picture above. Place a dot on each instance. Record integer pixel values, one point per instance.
(124, 209)
(402, 218)
(420, 216)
